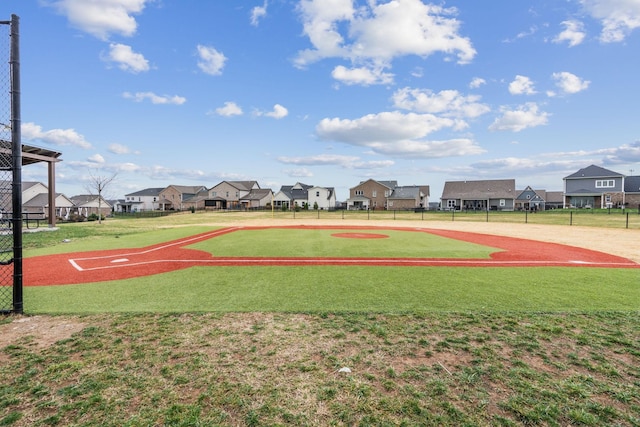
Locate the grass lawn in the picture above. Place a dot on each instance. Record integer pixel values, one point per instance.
(257, 346)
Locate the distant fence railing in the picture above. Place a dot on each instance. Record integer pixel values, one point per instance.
(608, 218)
(142, 214)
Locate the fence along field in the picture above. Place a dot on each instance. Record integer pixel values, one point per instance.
(608, 218)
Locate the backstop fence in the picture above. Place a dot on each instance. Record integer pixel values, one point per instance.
(10, 170)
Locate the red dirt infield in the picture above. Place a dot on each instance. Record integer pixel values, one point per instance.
(99, 266)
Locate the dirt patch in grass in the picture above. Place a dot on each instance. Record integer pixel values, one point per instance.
(39, 331)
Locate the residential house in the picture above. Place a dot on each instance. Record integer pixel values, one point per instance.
(257, 199)
(38, 206)
(370, 194)
(594, 187)
(408, 197)
(35, 201)
(291, 196)
(140, 201)
(530, 200)
(632, 192)
(227, 194)
(554, 200)
(88, 204)
(321, 198)
(174, 197)
(496, 194)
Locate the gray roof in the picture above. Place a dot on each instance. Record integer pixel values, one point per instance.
(242, 185)
(257, 194)
(632, 184)
(406, 192)
(555, 197)
(147, 192)
(593, 171)
(478, 190)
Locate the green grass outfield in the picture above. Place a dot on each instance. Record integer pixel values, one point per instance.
(325, 288)
(425, 346)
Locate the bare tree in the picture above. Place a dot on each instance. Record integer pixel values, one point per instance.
(99, 183)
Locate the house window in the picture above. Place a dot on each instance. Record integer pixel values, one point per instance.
(451, 203)
(213, 194)
(317, 194)
(227, 194)
(237, 194)
(359, 193)
(374, 193)
(605, 183)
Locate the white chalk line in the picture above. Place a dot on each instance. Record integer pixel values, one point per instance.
(384, 262)
(183, 242)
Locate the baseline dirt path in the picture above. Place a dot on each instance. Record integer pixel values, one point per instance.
(88, 267)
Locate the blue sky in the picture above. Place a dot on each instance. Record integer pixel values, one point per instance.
(328, 92)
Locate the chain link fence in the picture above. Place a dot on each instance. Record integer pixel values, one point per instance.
(6, 172)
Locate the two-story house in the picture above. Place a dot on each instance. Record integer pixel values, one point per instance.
(140, 201)
(322, 198)
(174, 197)
(493, 194)
(292, 196)
(228, 194)
(370, 194)
(594, 187)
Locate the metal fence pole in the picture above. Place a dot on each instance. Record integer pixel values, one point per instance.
(16, 147)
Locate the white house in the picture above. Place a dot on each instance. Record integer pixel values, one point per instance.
(324, 198)
(143, 200)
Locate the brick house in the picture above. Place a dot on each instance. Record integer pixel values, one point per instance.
(370, 194)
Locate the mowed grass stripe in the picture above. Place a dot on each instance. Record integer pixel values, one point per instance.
(317, 243)
(349, 289)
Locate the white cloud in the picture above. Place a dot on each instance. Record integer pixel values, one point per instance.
(211, 61)
(298, 173)
(96, 158)
(361, 76)
(374, 34)
(347, 162)
(573, 33)
(477, 82)
(155, 99)
(570, 83)
(62, 137)
(449, 103)
(522, 85)
(525, 116)
(229, 109)
(257, 13)
(101, 18)
(126, 58)
(119, 149)
(396, 134)
(618, 17)
(278, 112)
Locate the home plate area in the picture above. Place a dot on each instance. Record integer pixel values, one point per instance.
(88, 267)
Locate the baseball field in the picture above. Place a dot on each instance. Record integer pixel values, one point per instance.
(214, 319)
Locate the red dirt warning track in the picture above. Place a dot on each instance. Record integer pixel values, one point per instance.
(88, 267)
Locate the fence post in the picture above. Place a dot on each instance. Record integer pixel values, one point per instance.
(571, 218)
(526, 216)
(627, 224)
